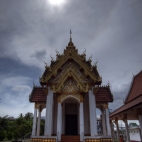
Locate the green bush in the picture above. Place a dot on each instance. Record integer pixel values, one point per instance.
(10, 135)
(2, 135)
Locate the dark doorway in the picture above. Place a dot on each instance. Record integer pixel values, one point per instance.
(71, 125)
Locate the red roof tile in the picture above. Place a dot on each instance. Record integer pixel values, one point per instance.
(136, 88)
(104, 95)
(37, 95)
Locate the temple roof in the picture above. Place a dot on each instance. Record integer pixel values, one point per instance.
(37, 95)
(135, 89)
(103, 94)
(70, 55)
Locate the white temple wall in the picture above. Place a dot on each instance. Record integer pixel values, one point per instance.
(86, 115)
(55, 105)
(63, 118)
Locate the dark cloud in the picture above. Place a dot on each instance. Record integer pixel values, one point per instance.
(40, 55)
(109, 30)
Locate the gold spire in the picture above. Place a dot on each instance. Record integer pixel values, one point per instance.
(70, 42)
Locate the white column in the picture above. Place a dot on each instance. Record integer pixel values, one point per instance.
(38, 123)
(117, 126)
(112, 128)
(34, 123)
(127, 130)
(103, 122)
(92, 110)
(63, 118)
(86, 115)
(107, 123)
(140, 121)
(59, 122)
(49, 110)
(81, 122)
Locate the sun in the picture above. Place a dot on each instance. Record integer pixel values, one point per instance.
(56, 2)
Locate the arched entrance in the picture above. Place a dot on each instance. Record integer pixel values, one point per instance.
(70, 117)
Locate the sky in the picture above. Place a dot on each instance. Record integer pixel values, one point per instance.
(30, 31)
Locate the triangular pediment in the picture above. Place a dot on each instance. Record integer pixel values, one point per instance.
(70, 86)
(70, 71)
(70, 55)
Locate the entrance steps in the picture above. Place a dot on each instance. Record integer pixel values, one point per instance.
(66, 138)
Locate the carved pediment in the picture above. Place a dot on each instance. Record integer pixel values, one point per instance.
(71, 53)
(70, 86)
(70, 71)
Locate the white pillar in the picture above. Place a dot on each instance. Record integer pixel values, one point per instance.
(112, 128)
(117, 126)
(81, 122)
(107, 123)
(140, 121)
(59, 122)
(92, 110)
(49, 110)
(34, 123)
(63, 118)
(127, 130)
(103, 122)
(38, 124)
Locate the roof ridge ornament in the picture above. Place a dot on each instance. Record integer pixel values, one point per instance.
(70, 42)
(52, 59)
(70, 33)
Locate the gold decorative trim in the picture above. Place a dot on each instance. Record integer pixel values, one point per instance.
(40, 105)
(105, 105)
(63, 97)
(70, 70)
(71, 54)
(45, 89)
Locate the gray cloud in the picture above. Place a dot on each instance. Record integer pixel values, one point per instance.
(109, 30)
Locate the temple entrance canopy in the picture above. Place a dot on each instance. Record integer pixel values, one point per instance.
(70, 91)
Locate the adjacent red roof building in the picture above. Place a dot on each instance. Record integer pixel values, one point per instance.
(133, 102)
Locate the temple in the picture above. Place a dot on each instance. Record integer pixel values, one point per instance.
(70, 92)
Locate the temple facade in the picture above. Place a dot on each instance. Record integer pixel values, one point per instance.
(70, 92)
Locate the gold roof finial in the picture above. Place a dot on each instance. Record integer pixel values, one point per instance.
(70, 33)
(70, 42)
(70, 36)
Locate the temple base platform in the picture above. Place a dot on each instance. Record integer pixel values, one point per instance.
(66, 138)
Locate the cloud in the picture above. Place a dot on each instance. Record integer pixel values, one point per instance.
(30, 32)
(14, 94)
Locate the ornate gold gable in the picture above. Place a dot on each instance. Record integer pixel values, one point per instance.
(70, 87)
(70, 71)
(70, 65)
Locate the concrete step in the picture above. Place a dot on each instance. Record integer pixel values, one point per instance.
(65, 138)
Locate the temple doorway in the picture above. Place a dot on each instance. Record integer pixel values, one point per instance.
(71, 117)
(71, 124)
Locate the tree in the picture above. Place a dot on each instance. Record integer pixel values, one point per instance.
(2, 135)
(10, 135)
(28, 116)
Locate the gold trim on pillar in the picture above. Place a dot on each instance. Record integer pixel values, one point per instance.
(105, 105)
(40, 105)
(45, 89)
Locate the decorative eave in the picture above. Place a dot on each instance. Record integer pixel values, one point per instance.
(70, 53)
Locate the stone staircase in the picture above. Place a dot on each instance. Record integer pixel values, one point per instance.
(65, 138)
